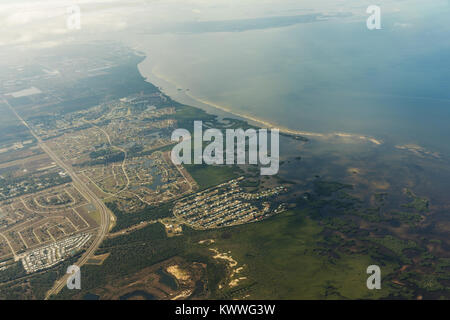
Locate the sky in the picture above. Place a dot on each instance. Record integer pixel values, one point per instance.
(43, 23)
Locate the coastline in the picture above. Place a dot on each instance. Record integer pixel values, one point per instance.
(263, 123)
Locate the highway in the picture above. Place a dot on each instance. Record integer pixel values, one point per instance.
(87, 193)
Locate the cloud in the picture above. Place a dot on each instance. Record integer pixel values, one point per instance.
(45, 22)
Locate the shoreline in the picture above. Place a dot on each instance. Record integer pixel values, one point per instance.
(262, 122)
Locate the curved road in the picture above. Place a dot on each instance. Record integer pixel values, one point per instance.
(87, 193)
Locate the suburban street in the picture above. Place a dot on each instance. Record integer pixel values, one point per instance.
(87, 193)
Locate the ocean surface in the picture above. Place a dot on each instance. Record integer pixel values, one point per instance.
(316, 73)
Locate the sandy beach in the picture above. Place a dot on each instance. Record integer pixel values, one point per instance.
(346, 137)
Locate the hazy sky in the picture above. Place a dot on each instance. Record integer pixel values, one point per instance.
(43, 23)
